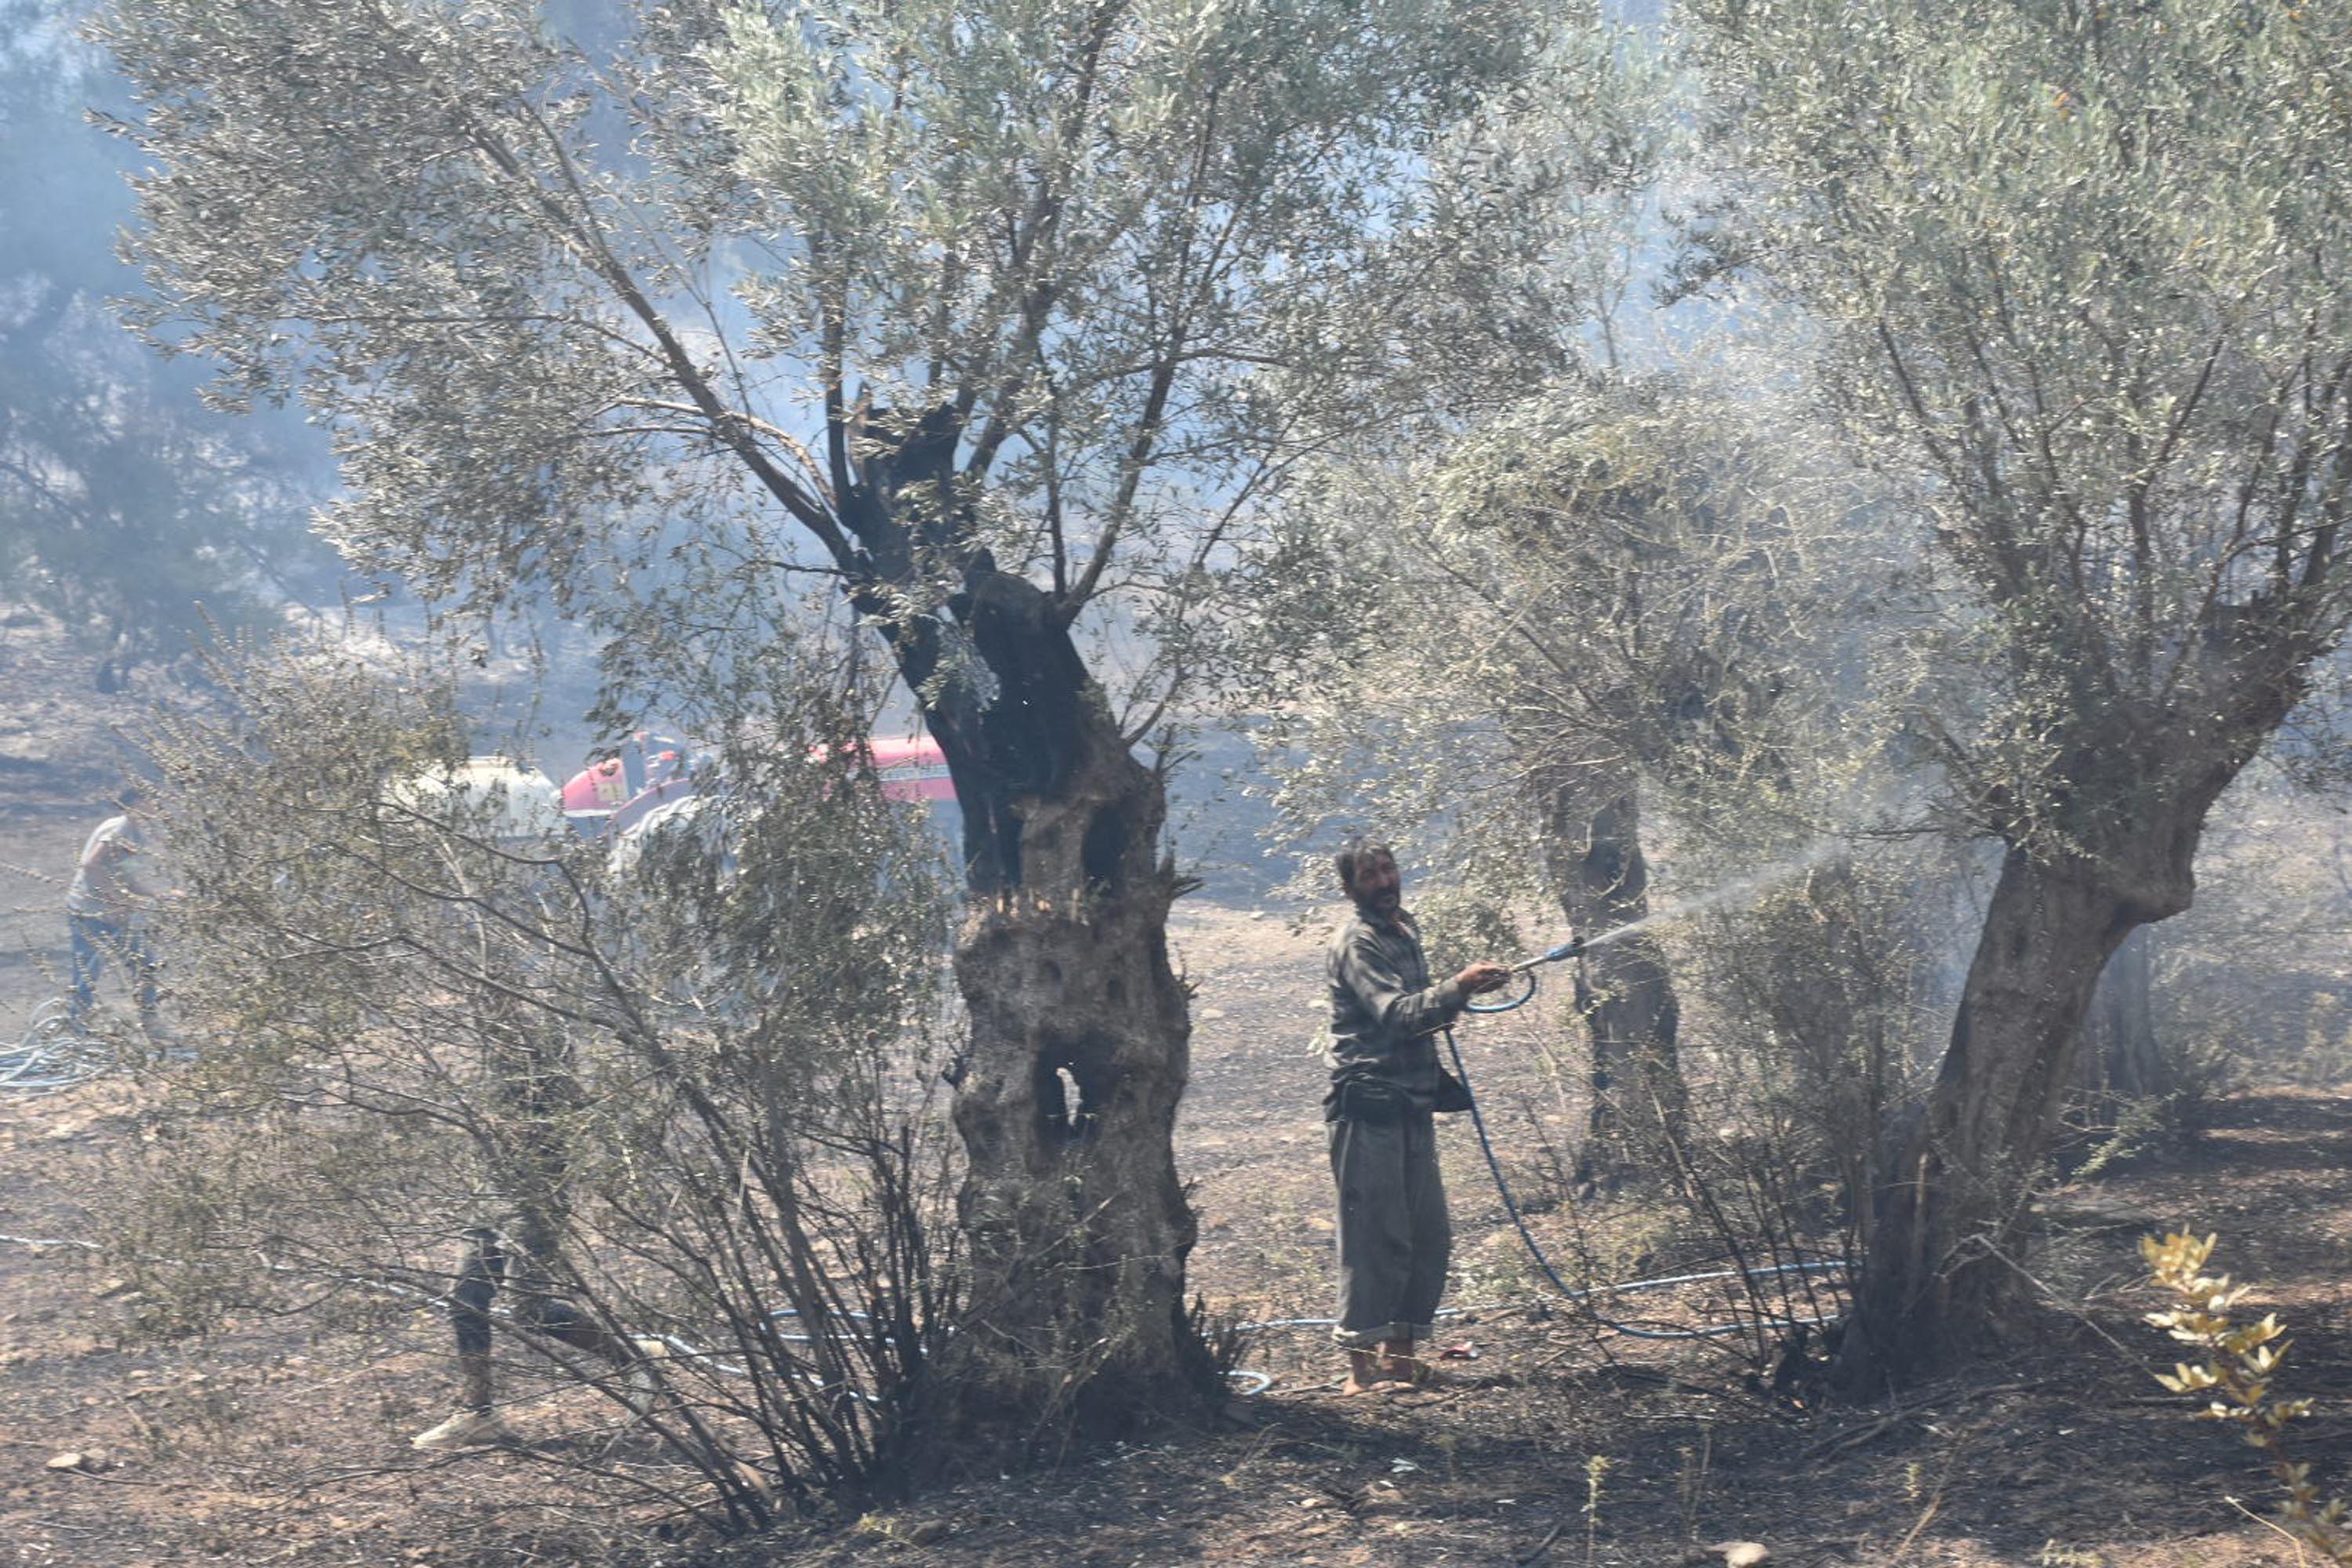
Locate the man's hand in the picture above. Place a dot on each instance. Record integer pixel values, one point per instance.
(1482, 976)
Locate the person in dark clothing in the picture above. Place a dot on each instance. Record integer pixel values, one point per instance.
(1394, 1237)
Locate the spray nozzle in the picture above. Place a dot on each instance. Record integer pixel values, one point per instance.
(1527, 967)
(1572, 948)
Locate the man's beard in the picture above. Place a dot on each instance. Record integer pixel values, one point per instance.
(1383, 905)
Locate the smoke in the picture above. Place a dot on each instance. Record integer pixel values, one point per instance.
(124, 501)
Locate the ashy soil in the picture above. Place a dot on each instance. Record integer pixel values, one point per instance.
(1560, 1443)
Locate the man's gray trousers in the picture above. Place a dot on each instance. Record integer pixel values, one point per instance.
(1394, 1235)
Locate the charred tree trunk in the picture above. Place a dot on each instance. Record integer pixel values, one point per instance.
(1077, 1224)
(1079, 1051)
(1624, 992)
(1941, 1268)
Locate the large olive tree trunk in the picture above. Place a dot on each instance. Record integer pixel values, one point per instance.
(2119, 853)
(1066, 1100)
(1079, 1050)
(1624, 992)
(1942, 1266)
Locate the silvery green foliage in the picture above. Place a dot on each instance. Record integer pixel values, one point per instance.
(1540, 213)
(1635, 582)
(2083, 269)
(1604, 560)
(622, 324)
(790, 908)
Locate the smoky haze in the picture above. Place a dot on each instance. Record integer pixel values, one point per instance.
(124, 501)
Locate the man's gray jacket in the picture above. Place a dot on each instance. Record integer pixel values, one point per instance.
(1384, 1012)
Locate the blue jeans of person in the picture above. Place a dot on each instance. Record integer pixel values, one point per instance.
(97, 939)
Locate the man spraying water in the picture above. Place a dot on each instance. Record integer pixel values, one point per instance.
(1395, 1234)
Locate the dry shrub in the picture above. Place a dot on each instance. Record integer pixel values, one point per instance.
(695, 1103)
(1810, 1009)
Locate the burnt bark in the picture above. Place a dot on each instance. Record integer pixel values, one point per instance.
(1077, 1223)
(1066, 1100)
(1078, 1055)
(1624, 992)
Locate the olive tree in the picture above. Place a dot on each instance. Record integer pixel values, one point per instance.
(2080, 268)
(994, 316)
(1624, 589)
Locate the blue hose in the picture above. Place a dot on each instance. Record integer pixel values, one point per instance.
(1519, 1221)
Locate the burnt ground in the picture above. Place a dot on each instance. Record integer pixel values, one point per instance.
(275, 1443)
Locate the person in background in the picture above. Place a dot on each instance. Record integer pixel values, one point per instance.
(115, 888)
(1394, 1235)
